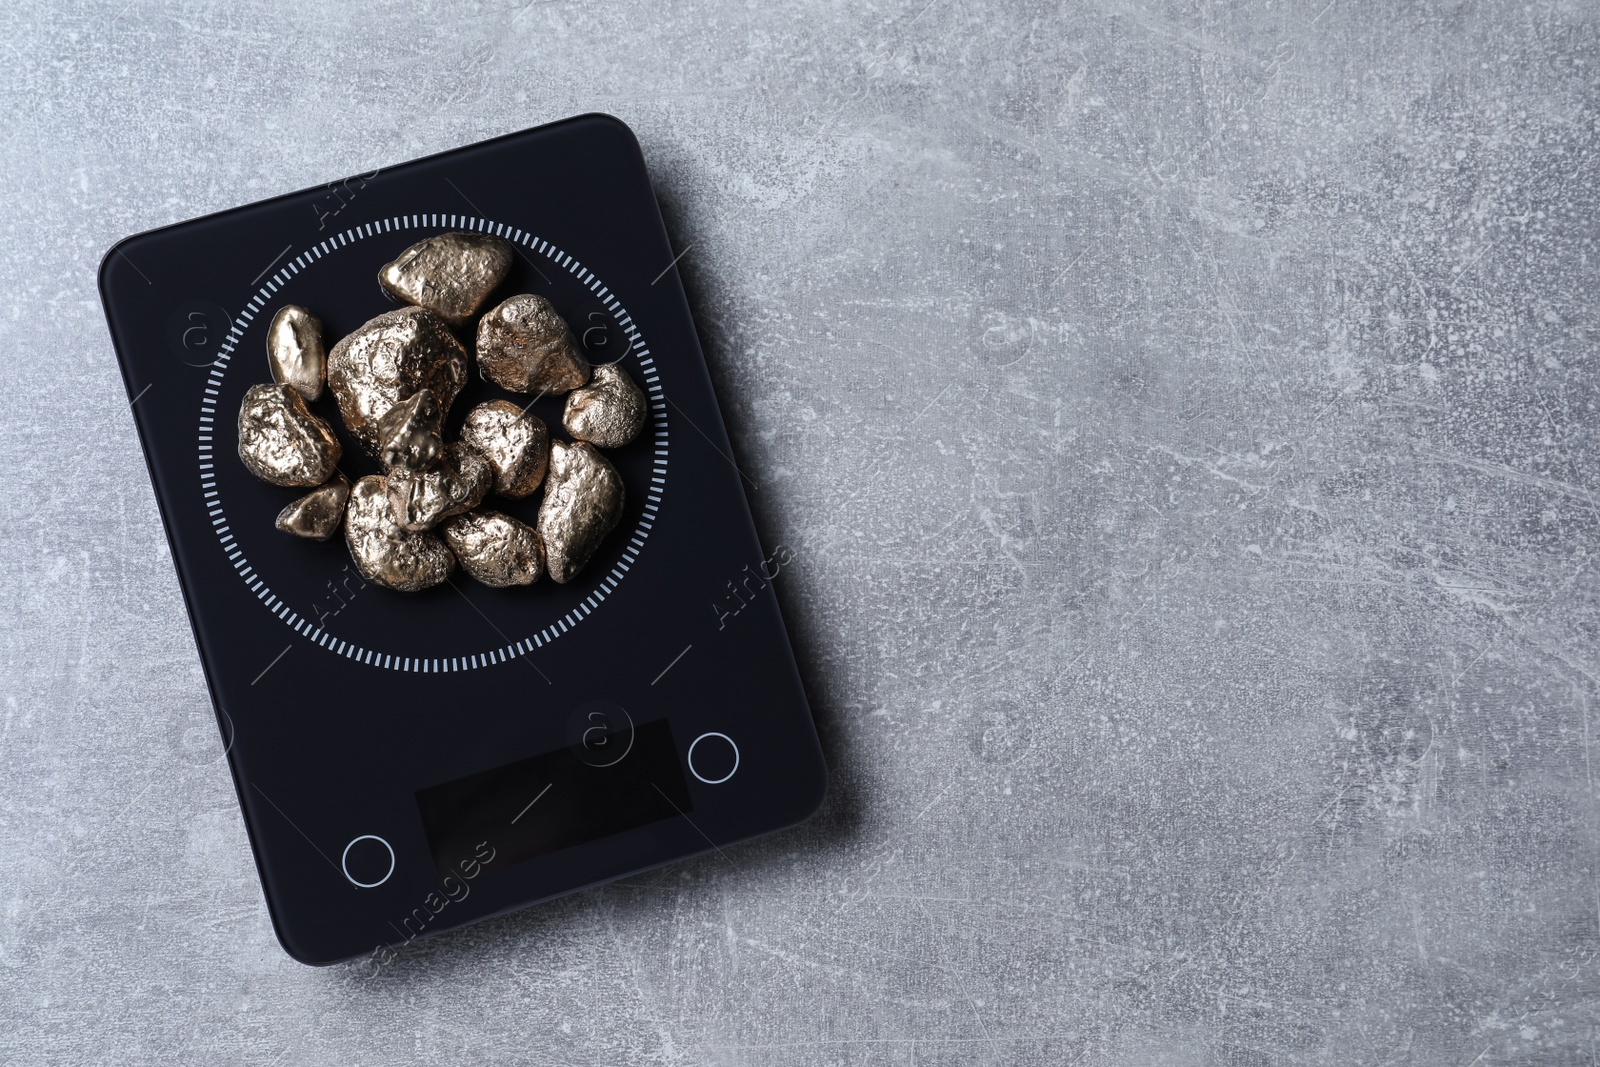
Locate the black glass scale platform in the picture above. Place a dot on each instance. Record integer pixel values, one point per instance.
(411, 762)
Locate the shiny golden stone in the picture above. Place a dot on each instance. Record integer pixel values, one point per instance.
(608, 412)
(516, 444)
(295, 352)
(525, 346)
(317, 514)
(408, 435)
(386, 554)
(582, 502)
(283, 443)
(495, 549)
(388, 359)
(450, 274)
(460, 481)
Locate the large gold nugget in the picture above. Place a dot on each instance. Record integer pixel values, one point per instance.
(295, 352)
(386, 554)
(495, 549)
(459, 482)
(450, 274)
(516, 444)
(582, 502)
(317, 514)
(608, 412)
(408, 436)
(525, 346)
(387, 360)
(283, 443)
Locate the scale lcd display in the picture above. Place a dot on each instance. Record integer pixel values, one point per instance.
(554, 800)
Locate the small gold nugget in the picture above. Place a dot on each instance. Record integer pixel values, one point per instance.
(283, 443)
(516, 444)
(607, 412)
(495, 549)
(582, 502)
(295, 352)
(525, 346)
(384, 553)
(388, 359)
(408, 436)
(421, 498)
(449, 274)
(317, 514)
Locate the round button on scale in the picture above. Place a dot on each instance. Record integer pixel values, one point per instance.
(600, 733)
(713, 758)
(368, 861)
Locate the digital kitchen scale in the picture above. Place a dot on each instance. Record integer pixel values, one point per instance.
(408, 763)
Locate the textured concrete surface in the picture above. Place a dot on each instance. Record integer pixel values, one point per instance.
(1184, 419)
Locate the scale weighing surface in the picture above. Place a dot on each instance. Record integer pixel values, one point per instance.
(408, 763)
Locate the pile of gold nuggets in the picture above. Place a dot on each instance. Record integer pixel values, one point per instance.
(394, 380)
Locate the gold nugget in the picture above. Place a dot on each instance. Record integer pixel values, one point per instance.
(608, 412)
(388, 359)
(525, 346)
(384, 553)
(449, 274)
(281, 442)
(582, 502)
(295, 352)
(408, 436)
(421, 498)
(317, 514)
(495, 549)
(516, 444)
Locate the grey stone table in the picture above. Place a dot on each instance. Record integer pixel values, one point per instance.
(1183, 419)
